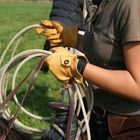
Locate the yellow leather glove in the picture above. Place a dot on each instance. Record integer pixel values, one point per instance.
(58, 33)
(63, 64)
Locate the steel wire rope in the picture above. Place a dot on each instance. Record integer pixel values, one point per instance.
(14, 61)
(19, 34)
(83, 110)
(18, 37)
(13, 86)
(89, 101)
(24, 55)
(2, 85)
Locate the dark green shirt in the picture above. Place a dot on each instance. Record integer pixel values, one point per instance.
(114, 24)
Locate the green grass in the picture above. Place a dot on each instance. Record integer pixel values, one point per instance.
(14, 17)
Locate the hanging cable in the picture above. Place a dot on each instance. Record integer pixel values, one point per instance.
(19, 61)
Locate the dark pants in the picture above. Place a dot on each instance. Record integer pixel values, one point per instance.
(124, 127)
(99, 125)
(114, 127)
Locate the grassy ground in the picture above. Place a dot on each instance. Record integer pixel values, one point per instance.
(14, 17)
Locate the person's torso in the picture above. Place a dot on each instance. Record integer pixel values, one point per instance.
(107, 52)
(107, 47)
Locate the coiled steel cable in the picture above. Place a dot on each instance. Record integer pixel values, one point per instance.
(21, 59)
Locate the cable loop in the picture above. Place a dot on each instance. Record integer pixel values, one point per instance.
(78, 90)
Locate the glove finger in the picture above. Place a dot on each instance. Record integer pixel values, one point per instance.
(54, 45)
(56, 36)
(50, 32)
(58, 26)
(61, 50)
(39, 30)
(56, 41)
(47, 23)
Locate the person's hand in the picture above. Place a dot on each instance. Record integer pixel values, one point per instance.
(48, 29)
(59, 34)
(63, 64)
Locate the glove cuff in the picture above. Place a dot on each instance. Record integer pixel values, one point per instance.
(70, 36)
(81, 65)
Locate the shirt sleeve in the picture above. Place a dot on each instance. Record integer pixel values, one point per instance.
(68, 12)
(128, 20)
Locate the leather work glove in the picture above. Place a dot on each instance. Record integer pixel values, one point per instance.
(63, 64)
(59, 34)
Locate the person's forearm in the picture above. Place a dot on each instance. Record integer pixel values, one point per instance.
(118, 82)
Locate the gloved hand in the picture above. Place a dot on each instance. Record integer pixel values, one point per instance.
(63, 64)
(58, 33)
